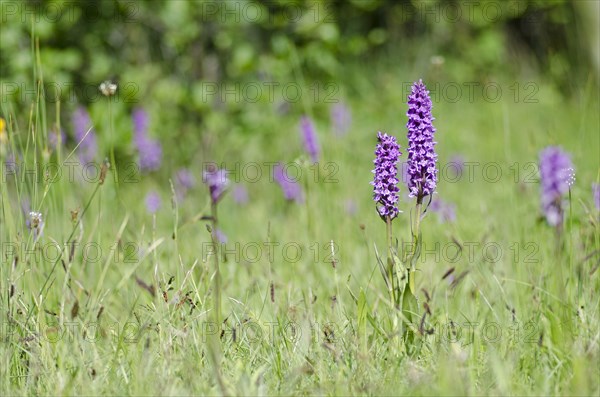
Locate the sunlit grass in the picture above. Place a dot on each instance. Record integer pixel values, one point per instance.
(504, 321)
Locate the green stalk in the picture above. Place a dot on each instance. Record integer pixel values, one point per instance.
(560, 246)
(416, 228)
(214, 347)
(390, 258)
(571, 249)
(52, 270)
(217, 286)
(416, 236)
(112, 144)
(307, 205)
(418, 216)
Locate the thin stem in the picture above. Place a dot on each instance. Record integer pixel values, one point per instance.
(416, 235)
(61, 252)
(154, 252)
(112, 143)
(417, 221)
(390, 259)
(214, 354)
(217, 286)
(214, 347)
(571, 272)
(307, 202)
(388, 223)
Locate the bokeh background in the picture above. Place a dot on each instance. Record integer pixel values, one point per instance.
(167, 55)
(228, 82)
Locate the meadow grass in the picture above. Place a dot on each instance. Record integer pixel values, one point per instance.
(306, 310)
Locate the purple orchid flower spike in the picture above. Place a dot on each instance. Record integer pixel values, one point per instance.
(240, 194)
(556, 177)
(311, 142)
(149, 150)
(84, 135)
(385, 181)
(422, 159)
(217, 181)
(153, 202)
(290, 187)
(341, 119)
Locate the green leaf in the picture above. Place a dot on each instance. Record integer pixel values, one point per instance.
(409, 300)
(362, 309)
(362, 312)
(383, 270)
(417, 254)
(401, 277)
(556, 334)
(409, 311)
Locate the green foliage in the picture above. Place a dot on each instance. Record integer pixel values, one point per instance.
(165, 53)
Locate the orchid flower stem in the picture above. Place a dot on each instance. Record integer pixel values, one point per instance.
(217, 285)
(389, 238)
(417, 225)
(416, 242)
(214, 345)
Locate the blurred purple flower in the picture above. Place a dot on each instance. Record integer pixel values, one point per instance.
(311, 140)
(422, 158)
(25, 205)
(55, 138)
(217, 181)
(184, 181)
(291, 189)
(84, 135)
(153, 202)
(341, 118)
(435, 205)
(140, 122)
(221, 237)
(179, 194)
(185, 178)
(556, 177)
(240, 194)
(445, 211)
(457, 165)
(149, 150)
(596, 194)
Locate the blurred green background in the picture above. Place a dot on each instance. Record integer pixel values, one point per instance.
(170, 56)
